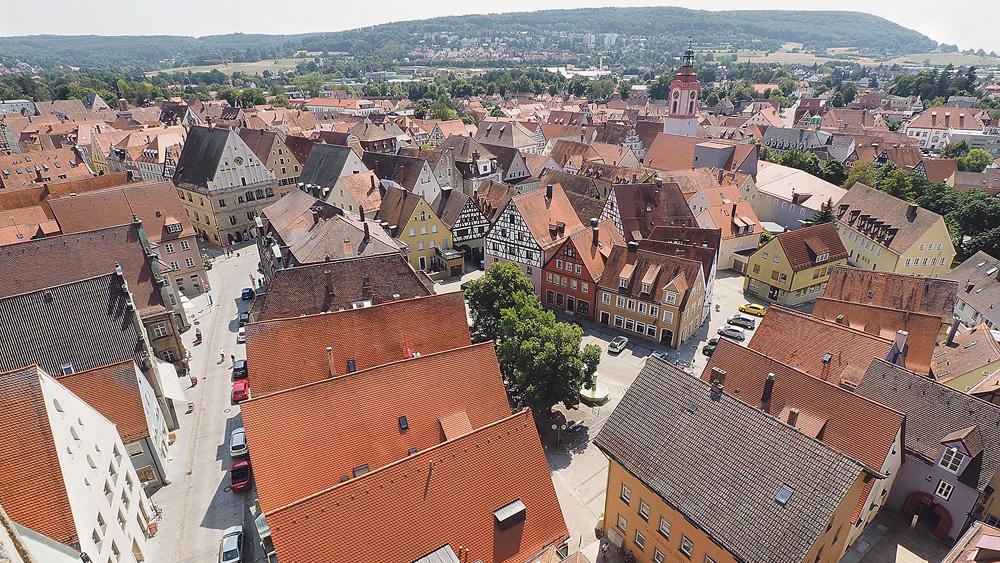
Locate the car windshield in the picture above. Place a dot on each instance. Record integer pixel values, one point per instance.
(239, 473)
(239, 439)
(230, 555)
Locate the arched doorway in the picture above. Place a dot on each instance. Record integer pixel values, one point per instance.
(930, 515)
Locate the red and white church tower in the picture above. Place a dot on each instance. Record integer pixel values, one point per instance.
(682, 106)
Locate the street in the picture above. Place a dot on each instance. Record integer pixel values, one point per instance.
(197, 505)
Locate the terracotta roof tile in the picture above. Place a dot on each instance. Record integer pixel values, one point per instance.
(728, 217)
(152, 202)
(541, 214)
(595, 256)
(802, 246)
(862, 200)
(968, 351)
(113, 391)
(492, 197)
(896, 291)
(643, 207)
(270, 344)
(445, 495)
(652, 268)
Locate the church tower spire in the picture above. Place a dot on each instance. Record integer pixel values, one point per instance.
(682, 105)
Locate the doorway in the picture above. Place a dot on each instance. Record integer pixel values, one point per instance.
(773, 293)
(570, 303)
(667, 337)
(605, 318)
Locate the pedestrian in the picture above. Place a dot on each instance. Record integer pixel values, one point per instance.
(233, 357)
(222, 355)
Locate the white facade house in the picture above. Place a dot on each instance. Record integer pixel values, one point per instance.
(934, 127)
(789, 197)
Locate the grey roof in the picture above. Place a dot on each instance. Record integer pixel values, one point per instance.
(404, 170)
(934, 411)
(325, 164)
(200, 157)
(86, 323)
(443, 554)
(979, 284)
(721, 462)
(794, 137)
(449, 205)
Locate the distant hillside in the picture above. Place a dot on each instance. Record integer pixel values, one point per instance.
(660, 27)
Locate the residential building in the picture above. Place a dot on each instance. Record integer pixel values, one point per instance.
(492, 198)
(793, 267)
(987, 181)
(36, 265)
(270, 149)
(682, 118)
(355, 194)
(513, 166)
(668, 504)
(470, 164)
(933, 128)
(24, 170)
(23, 107)
(636, 209)
(658, 297)
(341, 284)
(164, 221)
(373, 138)
(671, 153)
(888, 234)
(299, 229)
(223, 185)
(908, 293)
(693, 243)
(741, 230)
(847, 422)
(575, 268)
(72, 479)
(148, 155)
(423, 325)
(324, 169)
(791, 197)
(464, 220)
(510, 134)
(981, 542)
(444, 129)
(122, 394)
(409, 173)
(409, 218)
(969, 361)
(951, 447)
(978, 299)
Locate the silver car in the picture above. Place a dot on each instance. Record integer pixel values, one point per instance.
(740, 320)
(231, 546)
(617, 344)
(238, 442)
(733, 333)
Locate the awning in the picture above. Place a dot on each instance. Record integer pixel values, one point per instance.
(170, 385)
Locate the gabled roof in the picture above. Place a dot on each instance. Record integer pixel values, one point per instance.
(969, 350)
(729, 217)
(981, 542)
(916, 294)
(404, 170)
(939, 169)
(325, 165)
(492, 197)
(113, 391)
(152, 202)
(543, 216)
(397, 208)
(979, 284)
(365, 188)
(200, 158)
(803, 342)
(447, 494)
(449, 205)
(934, 411)
(571, 183)
(594, 256)
(32, 489)
(270, 344)
(260, 141)
(506, 134)
(875, 205)
(944, 117)
(796, 186)
(464, 148)
(37, 264)
(331, 286)
(721, 462)
(294, 431)
(703, 254)
(803, 246)
(643, 207)
(641, 267)
(300, 147)
(694, 236)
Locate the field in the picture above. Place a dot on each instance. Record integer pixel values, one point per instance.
(943, 59)
(787, 57)
(274, 65)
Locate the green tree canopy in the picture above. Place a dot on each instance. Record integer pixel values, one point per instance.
(492, 293)
(976, 160)
(824, 215)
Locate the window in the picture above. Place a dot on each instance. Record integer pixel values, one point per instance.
(548, 296)
(668, 316)
(250, 215)
(606, 298)
(189, 262)
(756, 268)
(640, 540)
(642, 307)
(908, 260)
(623, 283)
(626, 494)
(944, 489)
(423, 230)
(559, 264)
(658, 556)
(579, 269)
(174, 265)
(664, 528)
(185, 245)
(159, 330)
(619, 322)
(168, 248)
(687, 546)
(644, 288)
(631, 305)
(709, 559)
(620, 302)
(622, 523)
(643, 510)
(232, 219)
(952, 460)
(671, 297)
(764, 256)
(434, 228)
(654, 311)
(782, 277)
(548, 277)
(585, 287)
(629, 324)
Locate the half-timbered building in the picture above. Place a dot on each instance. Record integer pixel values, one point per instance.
(636, 209)
(467, 223)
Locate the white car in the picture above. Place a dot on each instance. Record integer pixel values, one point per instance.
(733, 333)
(241, 336)
(617, 344)
(231, 546)
(238, 442)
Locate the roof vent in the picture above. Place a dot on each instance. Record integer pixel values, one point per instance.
(403, 423)
(361, 470)
(827, 357)
(412, 451)
(351, 366)
(48, 296)
(784, 494)
(507, 516)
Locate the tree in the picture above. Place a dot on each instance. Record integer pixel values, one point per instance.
(311, 84)
(833, 171)
(280, 101)
(624, 89)
(862, 171)
(974, 213)
(251, 97)
(987, 241)
(497, 111)
(541, 359)
(601, 89)
(824, 214)
(492, 293)
(976, 160)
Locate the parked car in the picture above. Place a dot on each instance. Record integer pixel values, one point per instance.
(231, 545)
(660, 354)
(241, 336)
(239, 476)
(753, 309)
(247, 294)
(709, 348)
(240, 370)
(244, 318)
(617, 345)
(241, 390)
(238, 442)
(740, 320)
(732, 332)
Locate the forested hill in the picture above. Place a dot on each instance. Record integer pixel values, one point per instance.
(663, 27)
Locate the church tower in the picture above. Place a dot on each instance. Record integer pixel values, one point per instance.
(682, 105)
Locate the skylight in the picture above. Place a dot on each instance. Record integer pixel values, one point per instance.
(992, 271)
(784, 494)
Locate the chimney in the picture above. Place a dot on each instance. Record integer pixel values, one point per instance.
(716, 392)
(952, 331)
(718, 376)
(898, 351)
(734, 213)
(793, 416)
(372, 178)
(840, 319)
(329, 358)
(361, 212)
(548, 192)
(329, 281)
(596, 231)
(911, 212)
(315, 213)
(633, 246)
(367, 233)
(765, 397)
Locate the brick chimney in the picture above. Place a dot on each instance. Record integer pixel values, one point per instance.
(911, 211)
(548, 192)
(718, 376)
(793, 416)
(765, 397)
(329, 358)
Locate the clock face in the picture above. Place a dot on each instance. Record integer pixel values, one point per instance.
(238, 161)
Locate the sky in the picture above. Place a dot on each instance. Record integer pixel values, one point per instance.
(971, 24)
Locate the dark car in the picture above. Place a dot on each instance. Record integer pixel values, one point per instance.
(709, 348)
(247, 294)
(244, 318)
(239, 476)
(240, 370)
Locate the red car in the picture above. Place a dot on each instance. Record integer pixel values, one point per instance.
(241, 390)
(239, 476)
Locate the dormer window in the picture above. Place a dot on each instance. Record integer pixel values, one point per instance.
(822, 257)
(671, 297)
(174, 228)
(623, 283)
(952, 459)
(645, 288)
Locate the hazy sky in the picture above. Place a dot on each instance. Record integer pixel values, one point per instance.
(967, 23)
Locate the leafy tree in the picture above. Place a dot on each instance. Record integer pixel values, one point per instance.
(896, 182)
(540, 358)
(251, 97)
(492, 293)
(987, 241)
(862, 171)
(833, 171)
(230, 95)
(824, 214)
(974, 213)
(497, 111)
(311, 84)
(976, 160)
(280, 101)
(956, 150)
(624, 89)
(601, 89)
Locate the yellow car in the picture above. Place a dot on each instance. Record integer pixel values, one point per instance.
(753, 309)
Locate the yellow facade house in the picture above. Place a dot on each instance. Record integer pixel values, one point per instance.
(698, 475)
(409, 218)
(887, 234)
(794, 267)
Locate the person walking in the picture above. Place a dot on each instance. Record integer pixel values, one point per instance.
(222, 355)
(233, 357)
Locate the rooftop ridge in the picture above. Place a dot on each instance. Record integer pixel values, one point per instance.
(51, 287)
(351, 310)
(799, 314)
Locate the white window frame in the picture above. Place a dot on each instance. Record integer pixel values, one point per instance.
(952, 459)
(639, 540)
(168, 248)
(658, 556)
(185, 245)
(626, 494)
(944, 489)
(622, 523)
(643, 510)
(687, 546)
(664, 528)
(606, 298)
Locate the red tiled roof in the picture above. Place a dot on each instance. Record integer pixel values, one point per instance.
(32, 490)
(152, 202)
(286, 353)
(292, 432)
(917, 294)
(722, 217)
(594, 256)
(446, 494)
(113, 391)
(801, 246)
